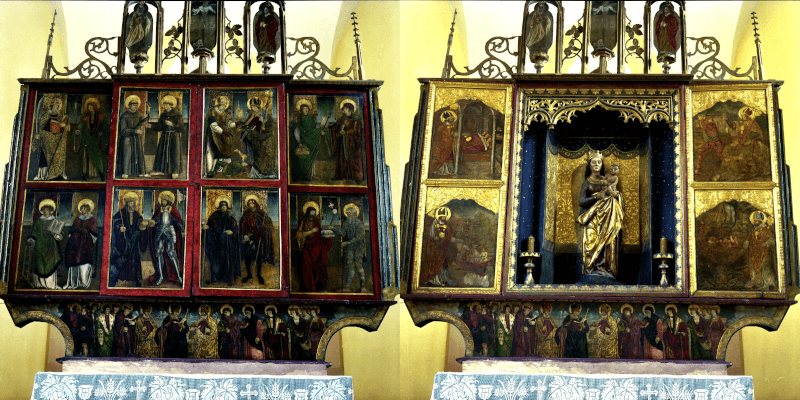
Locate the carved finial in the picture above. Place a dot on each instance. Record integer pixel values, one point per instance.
(355, 25)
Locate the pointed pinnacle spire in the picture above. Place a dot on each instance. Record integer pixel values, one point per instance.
(355, 25)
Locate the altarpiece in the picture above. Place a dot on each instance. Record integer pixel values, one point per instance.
(203, 214)
(604, 214)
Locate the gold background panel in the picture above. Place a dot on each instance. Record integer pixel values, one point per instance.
(706, 200)
(568, 192)
(704, 100)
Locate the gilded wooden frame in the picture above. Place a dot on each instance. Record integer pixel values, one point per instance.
(762, 194)
(553, 105)
(491, 192)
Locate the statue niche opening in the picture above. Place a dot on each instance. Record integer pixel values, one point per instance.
(601, 190)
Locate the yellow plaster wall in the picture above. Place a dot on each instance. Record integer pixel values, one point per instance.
(24, 27)
(401, 41)
(773, 358)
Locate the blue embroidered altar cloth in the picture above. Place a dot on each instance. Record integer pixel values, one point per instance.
(66, 386)
(463, 386)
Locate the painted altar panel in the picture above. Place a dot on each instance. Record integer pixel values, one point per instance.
(327, 143)
(153, 130)
(69, 137)
(60, 241)
(332, 244)
(736, 227)
(240, 133)
(459, 240)
(147, 248)
(241, 241)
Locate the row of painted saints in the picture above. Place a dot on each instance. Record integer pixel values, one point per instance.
(325, 137)
(240, 230)
(118, 330)
(516, 329)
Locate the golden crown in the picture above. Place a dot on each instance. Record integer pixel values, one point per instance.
(594, 154)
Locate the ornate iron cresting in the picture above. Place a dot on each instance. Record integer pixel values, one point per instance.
(176, 42)
(576, 42)
(92, 67)
(232, 48)
(492, 67)
(632, 46)
(311, 67)
(711, 67)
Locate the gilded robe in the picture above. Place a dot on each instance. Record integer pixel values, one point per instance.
(545, 329)
(203, 339)
(603, 341)
(147, 345)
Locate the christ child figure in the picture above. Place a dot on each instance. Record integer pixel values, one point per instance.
(612, 179)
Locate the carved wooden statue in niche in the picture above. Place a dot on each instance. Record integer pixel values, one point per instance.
(601, 219)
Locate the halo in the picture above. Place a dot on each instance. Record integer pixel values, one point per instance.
(624, 306)
(47, 202)
(293, 309)
(271, 307)
(448, 116)
(443, 212)
(224, 306)
(130, 196)
(350, 206)
(311, 204)
(147, 307)
(302, 102)
(92, 100)
(348, 101)
(176, 305)
(528, 304)
(251, 197)
(578, 305)
(167, 195)
(250, 306)
(745, 116)
(220, 199)
(222, 99)
(605, 306)
(71, 306)
(129, 306)
(649, 305)
(132, 98)
(548, 306)
(205, 307)
(693, 308)
(86, 202)
(757, 215)
(254, 100)
(671, 307)
(170, 99)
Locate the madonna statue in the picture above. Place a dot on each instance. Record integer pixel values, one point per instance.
(601, 217)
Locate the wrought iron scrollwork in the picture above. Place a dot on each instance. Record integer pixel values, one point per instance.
(232, 47)
(711, 67)
(175, 44)
(492, 67)
(632, 45)
(575, 45)
(311, 67)
(92, 67)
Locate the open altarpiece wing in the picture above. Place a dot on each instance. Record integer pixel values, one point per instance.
(615, 212)
(203, 214)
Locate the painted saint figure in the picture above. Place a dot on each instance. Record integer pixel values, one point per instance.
(267, 33)
(347, 139)
(630, 346)
(314, 329)
(439, 250)
(173, 334)
(258, 140)
(128, 241)
(525, 335)
(545, 329)
(313, 248)
(132, 127)
(221, 244)
(257, 238)
(203, 335)
(89, 139)
(353, 248)
(676, 335)
(166, 244)
(504, 331)
(170, 157)
(698, 335)
(146, 331)
(50, 141)
(299, 346)
(44, 248)
(667, 31)
(276, 335)
(443, 142)
(220, 130)
(228, 328)
(572, 334)
(81, 247)
(252, 334)
(124, 339)
(104, 331)
(307, 134)
(601, 219)
(760, 245)
(603, 335)
(652, 334)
